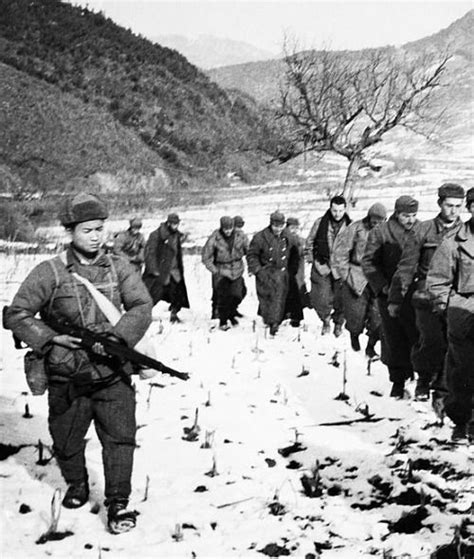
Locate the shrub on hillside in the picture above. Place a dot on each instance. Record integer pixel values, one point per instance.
(14, 223)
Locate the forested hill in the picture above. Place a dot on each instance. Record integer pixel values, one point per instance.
(174, 108)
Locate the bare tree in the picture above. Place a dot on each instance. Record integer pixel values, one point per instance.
(345, 102)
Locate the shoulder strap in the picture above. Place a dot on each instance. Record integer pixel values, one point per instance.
(56, 282)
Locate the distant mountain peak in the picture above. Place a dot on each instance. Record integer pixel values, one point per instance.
(208, 51)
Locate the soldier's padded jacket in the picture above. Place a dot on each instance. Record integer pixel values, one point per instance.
(452, 269)
(348, 253)
(50, 289)
(221, 257)
(416, 257)
(383, 251)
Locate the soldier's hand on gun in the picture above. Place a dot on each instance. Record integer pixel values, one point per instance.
(393, 310)
(65, 340)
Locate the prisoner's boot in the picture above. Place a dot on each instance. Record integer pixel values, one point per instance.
(233, 321)
(273, 329)
(223, 325)
(295, 323)
(355, 344)
(460, 433)
(119, 518)
(337, 330)
(437, 403)
(422, 389)
(370, 349)
(77, 494)
(326, 327)
(174, 318)
(239, 314)
(398, 390)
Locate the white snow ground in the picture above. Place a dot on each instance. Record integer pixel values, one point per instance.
(251, 402)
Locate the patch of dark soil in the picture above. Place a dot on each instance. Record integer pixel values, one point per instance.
(53, 537)
(410, 522)
(274, 550)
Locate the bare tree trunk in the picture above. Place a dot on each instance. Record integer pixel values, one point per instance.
(351, 178)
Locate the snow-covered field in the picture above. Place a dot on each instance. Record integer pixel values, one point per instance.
(232, 492)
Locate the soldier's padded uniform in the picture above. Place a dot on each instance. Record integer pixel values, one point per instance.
(382, 254)
(429, 352)
(83, 388)
(450, 281)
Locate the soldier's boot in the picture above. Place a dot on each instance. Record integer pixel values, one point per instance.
(77, 494)
(355, 343)
(398, 390)
(460, 433)
(422, 389)
(370, 349)
(174, 318)
(273, 329)
(119, 518)
(337, 330)
(437, 403)
(326, 327)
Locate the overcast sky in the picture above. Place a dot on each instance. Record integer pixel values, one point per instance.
(349, 24)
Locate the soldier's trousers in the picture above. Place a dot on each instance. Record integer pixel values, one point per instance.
(460, 359)
(429, 352)
(361, 311)
(326, 297)
(112, 409)
(398, 338)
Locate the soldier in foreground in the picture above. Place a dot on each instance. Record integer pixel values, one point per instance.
(450, 281)
(325, 294)
(164, 270)
(380, 260)
(267, 260)
(223, 256)
(429, 352)
(86, 386)
(131, 244)
(359, 301)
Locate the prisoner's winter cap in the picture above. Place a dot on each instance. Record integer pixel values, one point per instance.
(293, 221)
(239, 221)
(450, 190)
(173, 218)
(136, 222)
(377, 210)
(82, 207)
(227, 222)
(470, 197)
(406, 204)
(277, 218)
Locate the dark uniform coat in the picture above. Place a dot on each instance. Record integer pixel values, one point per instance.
(450, 282)
(267, 259)
(429, 352)
(381, 257)
(162, 251)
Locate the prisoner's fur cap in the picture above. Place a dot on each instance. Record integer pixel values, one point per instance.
(450, 190)
(277, 218)
(239, 221)
(377, 210)
(293, 221)
(470, 197)
(226, 222)
(82, 207)
(173, 218)
(136, 222)
(406, 204)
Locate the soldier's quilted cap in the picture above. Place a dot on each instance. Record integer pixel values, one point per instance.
(377, 210)
(82, 207)
(173, 218)
(293, 221)
(226, 222)
(470, 196)
(406, 204)
(277, 218)
(450, 190)
(239, 221)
